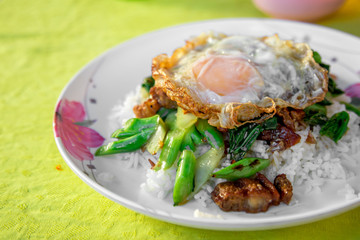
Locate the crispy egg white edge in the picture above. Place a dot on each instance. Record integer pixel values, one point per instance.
(281, 73)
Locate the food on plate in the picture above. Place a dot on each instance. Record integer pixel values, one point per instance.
(261, 74)
(244, 168)
(152, 105)
(184, 181)
(225, 116)
(136, 133)
(251, 195)
(284, 187)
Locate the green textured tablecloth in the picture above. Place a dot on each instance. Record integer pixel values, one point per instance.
(42, 45)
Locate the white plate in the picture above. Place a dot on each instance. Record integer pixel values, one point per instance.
(107, 79)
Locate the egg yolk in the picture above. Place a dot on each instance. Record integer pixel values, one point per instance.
(225, 75)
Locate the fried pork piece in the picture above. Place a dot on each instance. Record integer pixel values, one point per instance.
(283, 185)
(281, 138)
(147, 108)
(158, 94)
(245, 194)
(251, 195)
(269, 186)
(292, 118)
(284, 136)
(310, 138)
(150, 107)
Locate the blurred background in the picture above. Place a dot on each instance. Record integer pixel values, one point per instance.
(64, 30)
(43, 43)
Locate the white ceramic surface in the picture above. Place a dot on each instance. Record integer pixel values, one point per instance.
(104, 82)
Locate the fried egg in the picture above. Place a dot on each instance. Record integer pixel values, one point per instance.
(232, 80)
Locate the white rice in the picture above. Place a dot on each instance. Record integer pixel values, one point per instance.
(124, 110)
(309, 165)
(159, 183)
(348, 192)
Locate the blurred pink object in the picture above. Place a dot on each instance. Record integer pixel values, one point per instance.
(302, 10)
(353, 90)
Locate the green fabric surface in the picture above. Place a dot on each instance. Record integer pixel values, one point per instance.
(42, 45)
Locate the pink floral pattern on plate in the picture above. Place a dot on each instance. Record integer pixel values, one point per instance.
(353, 90)
(70, 127)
